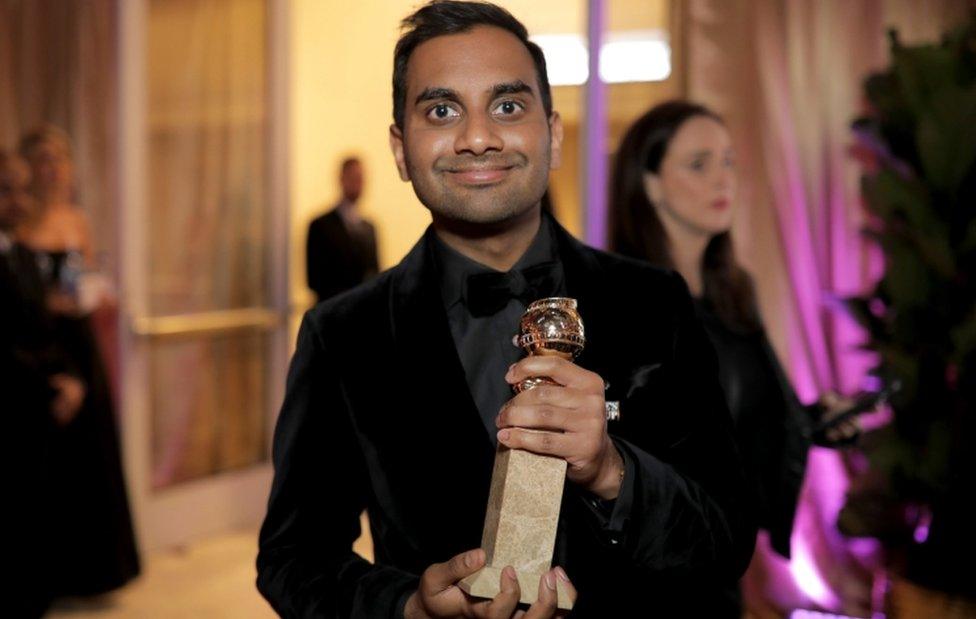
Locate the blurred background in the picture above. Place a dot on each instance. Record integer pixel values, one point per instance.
(207, 134)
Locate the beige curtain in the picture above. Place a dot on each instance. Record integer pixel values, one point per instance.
(58, 65)
(208, 208)
(787, 76)
(207, 231)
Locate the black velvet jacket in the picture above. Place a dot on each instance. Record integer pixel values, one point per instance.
(378, 415)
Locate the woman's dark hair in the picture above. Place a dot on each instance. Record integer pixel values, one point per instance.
(636, 230)
(443, 17)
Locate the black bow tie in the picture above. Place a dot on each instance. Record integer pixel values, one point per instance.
(488, 293)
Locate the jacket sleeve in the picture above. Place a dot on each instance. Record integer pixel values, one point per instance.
(306, 566)
(685, 509)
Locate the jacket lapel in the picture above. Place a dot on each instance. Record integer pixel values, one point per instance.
(427, 355)
(586, 283)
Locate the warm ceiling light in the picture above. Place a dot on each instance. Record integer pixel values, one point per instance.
(567, 60)
(630, 56)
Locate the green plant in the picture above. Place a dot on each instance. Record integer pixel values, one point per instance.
(920, 189)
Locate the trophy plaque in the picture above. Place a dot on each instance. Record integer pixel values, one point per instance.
(527, 488)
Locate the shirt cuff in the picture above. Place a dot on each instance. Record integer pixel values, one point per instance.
(613, 515)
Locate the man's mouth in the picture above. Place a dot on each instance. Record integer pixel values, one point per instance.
(480, 175)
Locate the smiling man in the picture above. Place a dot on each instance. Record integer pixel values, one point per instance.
(400, 389)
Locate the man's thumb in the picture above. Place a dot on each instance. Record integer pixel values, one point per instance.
(460, 566)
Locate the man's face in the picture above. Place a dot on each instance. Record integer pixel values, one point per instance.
(15, 201)
(476, 142)
(351, 180)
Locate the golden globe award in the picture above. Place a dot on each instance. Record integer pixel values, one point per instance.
(527, 488)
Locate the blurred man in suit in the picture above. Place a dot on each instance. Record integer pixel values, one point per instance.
(341, 248)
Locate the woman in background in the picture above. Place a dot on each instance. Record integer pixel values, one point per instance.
(91, 528)
(672, 196)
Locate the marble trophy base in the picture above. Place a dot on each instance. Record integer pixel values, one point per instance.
(520, 524)
(486, 584)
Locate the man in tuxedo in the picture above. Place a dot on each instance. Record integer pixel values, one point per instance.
(341, 246)
(400, 388)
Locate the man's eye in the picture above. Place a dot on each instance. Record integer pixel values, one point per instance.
(442, 111)
(507, 108)
(698, 165)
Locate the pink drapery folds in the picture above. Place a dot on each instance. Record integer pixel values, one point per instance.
(787, 78)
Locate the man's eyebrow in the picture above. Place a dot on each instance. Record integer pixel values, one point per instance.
(430, 94)
(511, 88)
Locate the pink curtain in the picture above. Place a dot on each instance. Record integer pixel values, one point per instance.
(787, 77)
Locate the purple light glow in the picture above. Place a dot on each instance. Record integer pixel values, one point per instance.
(813, 614)
(819, 216)
(807, 577)
(921, 532)
(595, 156)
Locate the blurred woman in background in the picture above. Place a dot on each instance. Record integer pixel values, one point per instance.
(92, 536)
(672, 196)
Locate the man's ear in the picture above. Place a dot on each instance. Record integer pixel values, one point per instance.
(555, 140)
(396, 145)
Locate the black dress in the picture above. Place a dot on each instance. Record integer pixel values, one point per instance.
(771, 425)
(29, 358)
(91, 528)
(771, 431)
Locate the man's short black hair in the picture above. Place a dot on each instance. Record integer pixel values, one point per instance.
(347, 163)
(443, 17)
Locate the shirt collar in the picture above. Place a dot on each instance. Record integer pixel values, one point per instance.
(453, 267)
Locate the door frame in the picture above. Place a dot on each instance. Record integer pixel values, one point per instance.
(229, 500)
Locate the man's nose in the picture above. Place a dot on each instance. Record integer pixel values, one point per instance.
(478, 135)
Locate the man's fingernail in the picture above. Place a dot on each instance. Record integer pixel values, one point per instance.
(562, 574)
(550, 581)
(468, 559)
(509, 572)
(503, 435)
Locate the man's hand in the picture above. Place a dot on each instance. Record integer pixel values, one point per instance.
(439, 596)
(567, 420)
(68, 399)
